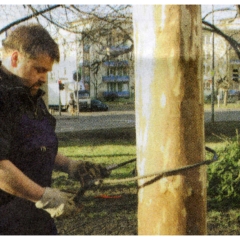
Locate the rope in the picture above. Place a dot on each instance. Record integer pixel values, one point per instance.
(157, 175)
(161, 174)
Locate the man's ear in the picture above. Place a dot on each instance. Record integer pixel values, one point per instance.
(14, 59)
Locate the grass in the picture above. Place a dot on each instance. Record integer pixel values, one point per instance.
(236, 105)
(116, 146)
(105, 147)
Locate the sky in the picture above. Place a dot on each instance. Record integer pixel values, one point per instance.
(12, 12)
(221, 14)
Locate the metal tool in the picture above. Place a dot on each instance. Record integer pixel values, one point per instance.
(96, 182)
(115, 166)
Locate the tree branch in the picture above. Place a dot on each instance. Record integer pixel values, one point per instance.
(229, 39)
(27, 18)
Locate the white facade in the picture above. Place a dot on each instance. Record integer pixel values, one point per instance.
(115, 75)
(65, 68)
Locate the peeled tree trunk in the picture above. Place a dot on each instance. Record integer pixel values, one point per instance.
(169, 118)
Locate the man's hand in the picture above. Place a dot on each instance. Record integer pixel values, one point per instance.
(57, 203)
(87, 172)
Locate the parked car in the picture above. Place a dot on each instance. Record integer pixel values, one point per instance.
(97, 105)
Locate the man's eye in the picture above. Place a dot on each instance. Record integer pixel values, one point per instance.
(41, 70)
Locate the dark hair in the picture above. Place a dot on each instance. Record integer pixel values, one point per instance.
(32, 40)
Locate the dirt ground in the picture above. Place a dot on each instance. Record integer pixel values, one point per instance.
(115, 215)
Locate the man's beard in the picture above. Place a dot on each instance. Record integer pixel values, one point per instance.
(34, 90)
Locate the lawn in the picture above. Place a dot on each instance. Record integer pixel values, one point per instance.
(117, 215)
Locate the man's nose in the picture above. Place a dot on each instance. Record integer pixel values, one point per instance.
(43, 78)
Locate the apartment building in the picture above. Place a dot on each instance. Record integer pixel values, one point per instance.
(105, 66)
(107, 70)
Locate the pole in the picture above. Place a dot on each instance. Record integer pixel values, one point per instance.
(77, 75)
(169, 118)
(59, 99)
(213, 69)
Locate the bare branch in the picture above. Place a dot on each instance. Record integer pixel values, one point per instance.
(229, 39)
(27, 18)
(216, 10)
(34, 11)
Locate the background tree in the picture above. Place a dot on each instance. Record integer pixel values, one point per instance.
(98, 22)
(224, 18)
(94, 22)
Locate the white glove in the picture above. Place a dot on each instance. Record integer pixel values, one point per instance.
(57, 203)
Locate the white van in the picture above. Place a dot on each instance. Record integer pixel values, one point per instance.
(56, 96)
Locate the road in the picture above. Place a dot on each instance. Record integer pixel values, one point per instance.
(122, 119)
(95, 120)
(223, 115)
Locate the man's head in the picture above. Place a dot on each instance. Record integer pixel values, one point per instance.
(29, 52)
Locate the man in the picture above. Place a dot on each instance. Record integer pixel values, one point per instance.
(28, 143)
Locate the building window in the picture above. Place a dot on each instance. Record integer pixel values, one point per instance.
(111, 71)
(111, 87)
(235, 75)
(120, 87)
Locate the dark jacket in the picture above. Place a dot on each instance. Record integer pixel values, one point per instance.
(28, 140)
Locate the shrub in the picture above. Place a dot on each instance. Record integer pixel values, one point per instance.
(224, 178)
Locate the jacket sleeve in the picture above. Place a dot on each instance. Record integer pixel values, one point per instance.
(5, 126)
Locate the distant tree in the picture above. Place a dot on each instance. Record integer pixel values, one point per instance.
(96, 22)
(99, 21)
(232, 37)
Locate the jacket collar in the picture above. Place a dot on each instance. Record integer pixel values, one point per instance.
(16, 83)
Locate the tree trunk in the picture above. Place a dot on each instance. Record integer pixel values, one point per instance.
(169, 118)
(225, 97)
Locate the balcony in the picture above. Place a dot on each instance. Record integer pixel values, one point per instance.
(116, 63)
(114, 94)
(125, 94)
(115, 78)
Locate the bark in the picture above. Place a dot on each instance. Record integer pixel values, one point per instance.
(169, 118)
